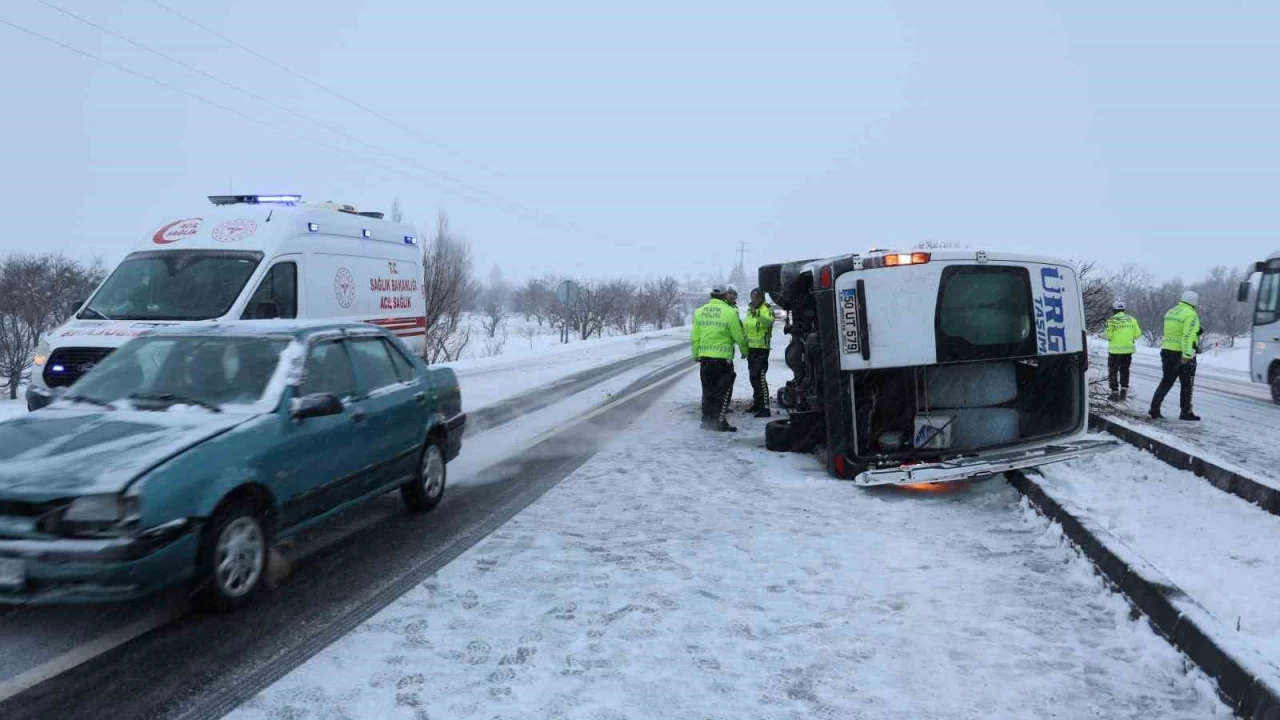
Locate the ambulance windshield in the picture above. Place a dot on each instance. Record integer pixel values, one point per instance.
(173, 285)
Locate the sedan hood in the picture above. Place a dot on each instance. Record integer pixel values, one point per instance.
(61, 453)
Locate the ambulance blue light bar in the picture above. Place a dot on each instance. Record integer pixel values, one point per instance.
(313, 227)
(255, 199)
(410, 240)
(367, 233)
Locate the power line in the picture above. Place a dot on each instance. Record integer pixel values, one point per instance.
(226, 108)
(354, 103)
(510, 204)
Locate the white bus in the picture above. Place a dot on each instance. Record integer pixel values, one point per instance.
(246, 258)
(1264, 366)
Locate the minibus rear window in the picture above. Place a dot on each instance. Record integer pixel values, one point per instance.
(983, 313)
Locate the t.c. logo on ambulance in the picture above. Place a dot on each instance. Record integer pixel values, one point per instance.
(1051, 321)
(344, 287)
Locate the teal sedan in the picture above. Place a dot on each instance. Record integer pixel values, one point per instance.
(186, 454)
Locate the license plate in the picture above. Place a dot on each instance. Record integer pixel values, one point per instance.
(13, 573)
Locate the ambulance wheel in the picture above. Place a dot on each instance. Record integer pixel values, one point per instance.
(1275, 385)
(777, 435)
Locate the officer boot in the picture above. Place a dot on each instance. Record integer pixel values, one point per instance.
(1114, 396)
(1124, 393)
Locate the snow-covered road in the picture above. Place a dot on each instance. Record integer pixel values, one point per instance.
(1239, 422)
(680, 574)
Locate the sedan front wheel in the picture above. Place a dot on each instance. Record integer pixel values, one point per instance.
(233, 558)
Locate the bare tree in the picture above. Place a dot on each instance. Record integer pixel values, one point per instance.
(397, 212)
(536, 299)
(662, 301)
(1220, 312)
(493, 311)
(447, 284)
(37, 292)
(1150, 305)
(1095, 289)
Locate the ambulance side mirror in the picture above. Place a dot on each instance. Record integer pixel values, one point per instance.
(1242, 295)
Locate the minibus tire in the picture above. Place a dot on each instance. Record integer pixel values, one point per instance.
(777, 435)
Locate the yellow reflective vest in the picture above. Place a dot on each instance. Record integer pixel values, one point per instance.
(1122, 333)
(716, 330)
(1181, 330)
(759, 326)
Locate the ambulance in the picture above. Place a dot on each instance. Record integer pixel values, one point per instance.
(932, 367)
(245, 258)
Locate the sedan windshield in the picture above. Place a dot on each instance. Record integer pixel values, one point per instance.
(173, 285)
(160, 372)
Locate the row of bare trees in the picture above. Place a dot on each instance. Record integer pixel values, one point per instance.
(1148, 300)
(620, 305)
(37, 292)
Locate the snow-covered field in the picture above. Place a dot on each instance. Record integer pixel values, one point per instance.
(517, 337)
(681, 574)
(1223, 551)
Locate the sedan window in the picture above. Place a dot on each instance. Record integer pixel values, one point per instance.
(328, 370)
(376, 370)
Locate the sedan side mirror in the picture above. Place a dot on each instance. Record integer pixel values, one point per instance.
(1243, 294)
(315, 405)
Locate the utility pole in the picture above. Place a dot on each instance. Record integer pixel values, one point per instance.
(742, 255)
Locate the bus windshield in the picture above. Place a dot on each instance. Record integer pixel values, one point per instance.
(173, 285)
(1268, 308)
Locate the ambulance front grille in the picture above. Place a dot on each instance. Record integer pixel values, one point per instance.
(66, 365)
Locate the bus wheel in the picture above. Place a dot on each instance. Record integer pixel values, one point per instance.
(1275, 385)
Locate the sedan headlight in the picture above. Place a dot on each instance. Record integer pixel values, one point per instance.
(95, 509)
(98, 515)
(41, 355)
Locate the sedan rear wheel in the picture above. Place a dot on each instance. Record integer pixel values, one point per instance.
(426, 490)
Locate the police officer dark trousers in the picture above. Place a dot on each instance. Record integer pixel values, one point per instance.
(1178, 354)
(717, 333)
(759, 329)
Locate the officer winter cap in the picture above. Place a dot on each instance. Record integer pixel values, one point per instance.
(731, 288)
(1191, 297)
(717, 289)
(1117, 305)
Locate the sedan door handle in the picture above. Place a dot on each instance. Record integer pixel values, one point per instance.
(358, 416)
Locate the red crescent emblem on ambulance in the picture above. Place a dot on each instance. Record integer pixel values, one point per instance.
(175, 231)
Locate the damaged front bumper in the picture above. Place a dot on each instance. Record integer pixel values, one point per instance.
(978, 467)
(49, 570)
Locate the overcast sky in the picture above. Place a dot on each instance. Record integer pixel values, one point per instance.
(655, 138)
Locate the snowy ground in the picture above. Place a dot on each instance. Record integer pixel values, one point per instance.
(516, 337)
(12, 408)
(1223, 551)
(686, 575)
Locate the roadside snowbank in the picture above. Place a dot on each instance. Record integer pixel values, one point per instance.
(681, 574)
(1223, 551)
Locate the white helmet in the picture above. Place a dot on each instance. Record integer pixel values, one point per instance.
(1191, 297)
(731, 288)
(1117, 305)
